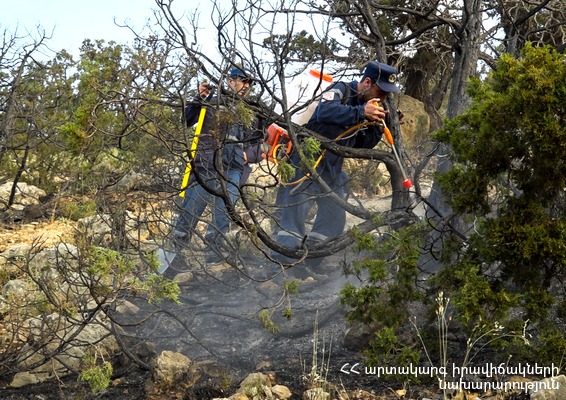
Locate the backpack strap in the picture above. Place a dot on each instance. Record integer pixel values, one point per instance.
(347, 95)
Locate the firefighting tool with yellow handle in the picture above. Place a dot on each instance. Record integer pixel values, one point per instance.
(192, 152)
(389, 138)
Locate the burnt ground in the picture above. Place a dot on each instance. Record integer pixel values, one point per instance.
(218, 325)
(219, 321)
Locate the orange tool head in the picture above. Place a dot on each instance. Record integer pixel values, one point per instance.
(388, 135)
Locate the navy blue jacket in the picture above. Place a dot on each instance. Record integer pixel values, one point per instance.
(338, 110)
(232, 138)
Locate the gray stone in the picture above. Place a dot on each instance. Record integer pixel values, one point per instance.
(553, 388)
(25, 195)
(16, 289)
(69, 357)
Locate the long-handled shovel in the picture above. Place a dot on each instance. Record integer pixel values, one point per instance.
(164, 256)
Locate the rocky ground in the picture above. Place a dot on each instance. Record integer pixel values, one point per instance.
(217, 322)
(218, 328)
(221, 325)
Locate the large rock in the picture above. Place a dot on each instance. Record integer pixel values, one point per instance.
(14, 253)
(44, 264)
(171, 369)
(415, 125)
(130, 181)
(358, 335)
(69, 341)
(53, 343)
(16, 290)
(102, 228)
(238, 396)
(281, 392)
(256, 386)
(25, 195)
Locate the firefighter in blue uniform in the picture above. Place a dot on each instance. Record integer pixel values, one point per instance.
(341, 107)
(235, 145)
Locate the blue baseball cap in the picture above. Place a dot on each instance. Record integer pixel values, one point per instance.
(385, 76)
(244, 74)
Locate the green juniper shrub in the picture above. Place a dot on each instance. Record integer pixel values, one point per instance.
(508, 171)
(389, 270)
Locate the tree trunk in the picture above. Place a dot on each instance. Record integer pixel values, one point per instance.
(466, 54)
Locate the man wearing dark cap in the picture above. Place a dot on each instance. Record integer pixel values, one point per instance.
(341, 107)
(224, 138)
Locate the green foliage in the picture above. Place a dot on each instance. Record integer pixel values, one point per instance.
(384, 299)
(286, 171)
(302, 46)
(515, 128)
(390, 267)
(311, 149)
(73, 136)
(40, 102)
(244, 114)
(291, 287)
(97, 376)
(387, 350)
(551, 345)
(78, 210)
(475, 297)
(95, 370)
(508, 148)
(508, 177)
(309, 153)
(102, 262)
(82, 131)
(267, 322)
(366, 176)
(111, 271)
(158, 289)
(561, 310)
(288, 312)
